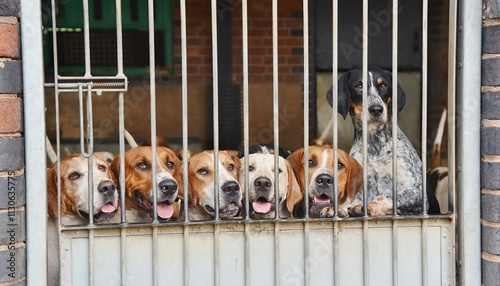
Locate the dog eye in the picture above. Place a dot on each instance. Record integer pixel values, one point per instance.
(312, 163)
(170, 164)
(281, 171)
(202, 171)
(142, 166)
(101, 168)
(250, 168)
(230, 167)
(359, 87)
(74, 176)
(383, 86)
(340, 166)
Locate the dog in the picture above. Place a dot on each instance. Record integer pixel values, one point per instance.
(139, 188)
(321, 180)
(74, 206)
(379, 124)
(201, 196)
(264, 149)
(261, 193)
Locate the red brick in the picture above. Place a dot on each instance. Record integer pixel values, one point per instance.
(10, 115)
(9, 45)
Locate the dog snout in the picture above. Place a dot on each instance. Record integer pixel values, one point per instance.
(231, 188)
(262, 184)
(376, 110)
(168, 186)
(324, 181)
(106, 187)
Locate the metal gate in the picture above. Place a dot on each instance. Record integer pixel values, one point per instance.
(406, 250)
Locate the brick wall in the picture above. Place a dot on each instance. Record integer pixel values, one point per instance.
(12, 194)
(490, 150)
(199, 40)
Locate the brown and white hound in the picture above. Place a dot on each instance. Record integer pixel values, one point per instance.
(321, 179)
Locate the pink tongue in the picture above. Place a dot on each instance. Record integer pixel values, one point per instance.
(107, 208)
(321, 200)
(165, 211)
(261, 207)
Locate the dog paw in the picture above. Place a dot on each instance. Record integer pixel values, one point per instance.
(343, 213)
(327, 212)
(356, 211)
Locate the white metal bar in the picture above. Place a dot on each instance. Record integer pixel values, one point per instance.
(215, 75)
(365, 143)
(86, 37)
(119, 38)
(425, 17)
(425, 256)
(91, 255)
(34, 134)
(394, 100)
(184, 108)
(277, 257)
(123, 256)
(468, 151)
(121, 141)
(305, 22)
(276, 106)
(335, 75)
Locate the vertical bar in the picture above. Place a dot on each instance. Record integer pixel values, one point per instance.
(394, 100)
(91, 257)
(468, 151)
(123, 236)
(365, 143)
(395, 257)
(215, 60)
(452, 85)
(276, 137)
(425, 257)
(119, 38)
(335, 75)
(305, 22)
(244, 24)
(185, 139)
(152, 90)
(86, 37)
(35, 151)
(275, 106)
(425, 17)
(215, 75)
(184, 108)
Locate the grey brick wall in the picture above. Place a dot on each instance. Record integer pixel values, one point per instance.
(490, 149)
(12, 177)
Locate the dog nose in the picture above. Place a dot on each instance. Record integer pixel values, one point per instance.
(262, 183)
(106, 187)
(324, 180)
(231, 188)
(375, 110)
(168, 186)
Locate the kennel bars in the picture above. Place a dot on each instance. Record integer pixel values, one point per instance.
(245, 237)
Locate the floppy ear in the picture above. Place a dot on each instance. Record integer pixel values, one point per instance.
(355, 177)
(52, 193)
(296, 160)
(343, 95)
(293, 194)
(178, 175)
(115, 168)
(401, 98)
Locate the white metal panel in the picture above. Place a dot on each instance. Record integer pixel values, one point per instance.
(262, 261)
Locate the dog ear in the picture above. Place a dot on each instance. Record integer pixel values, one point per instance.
(296, 160)
(401, 98)
(355, 177)
(293, 194)
(52, 192)
(343, 95)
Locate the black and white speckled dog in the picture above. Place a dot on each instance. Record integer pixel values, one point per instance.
(379, 167)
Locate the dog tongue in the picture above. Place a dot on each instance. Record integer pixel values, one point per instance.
(261, 207)
(321, 200)
(165, 211)
(107, 208)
